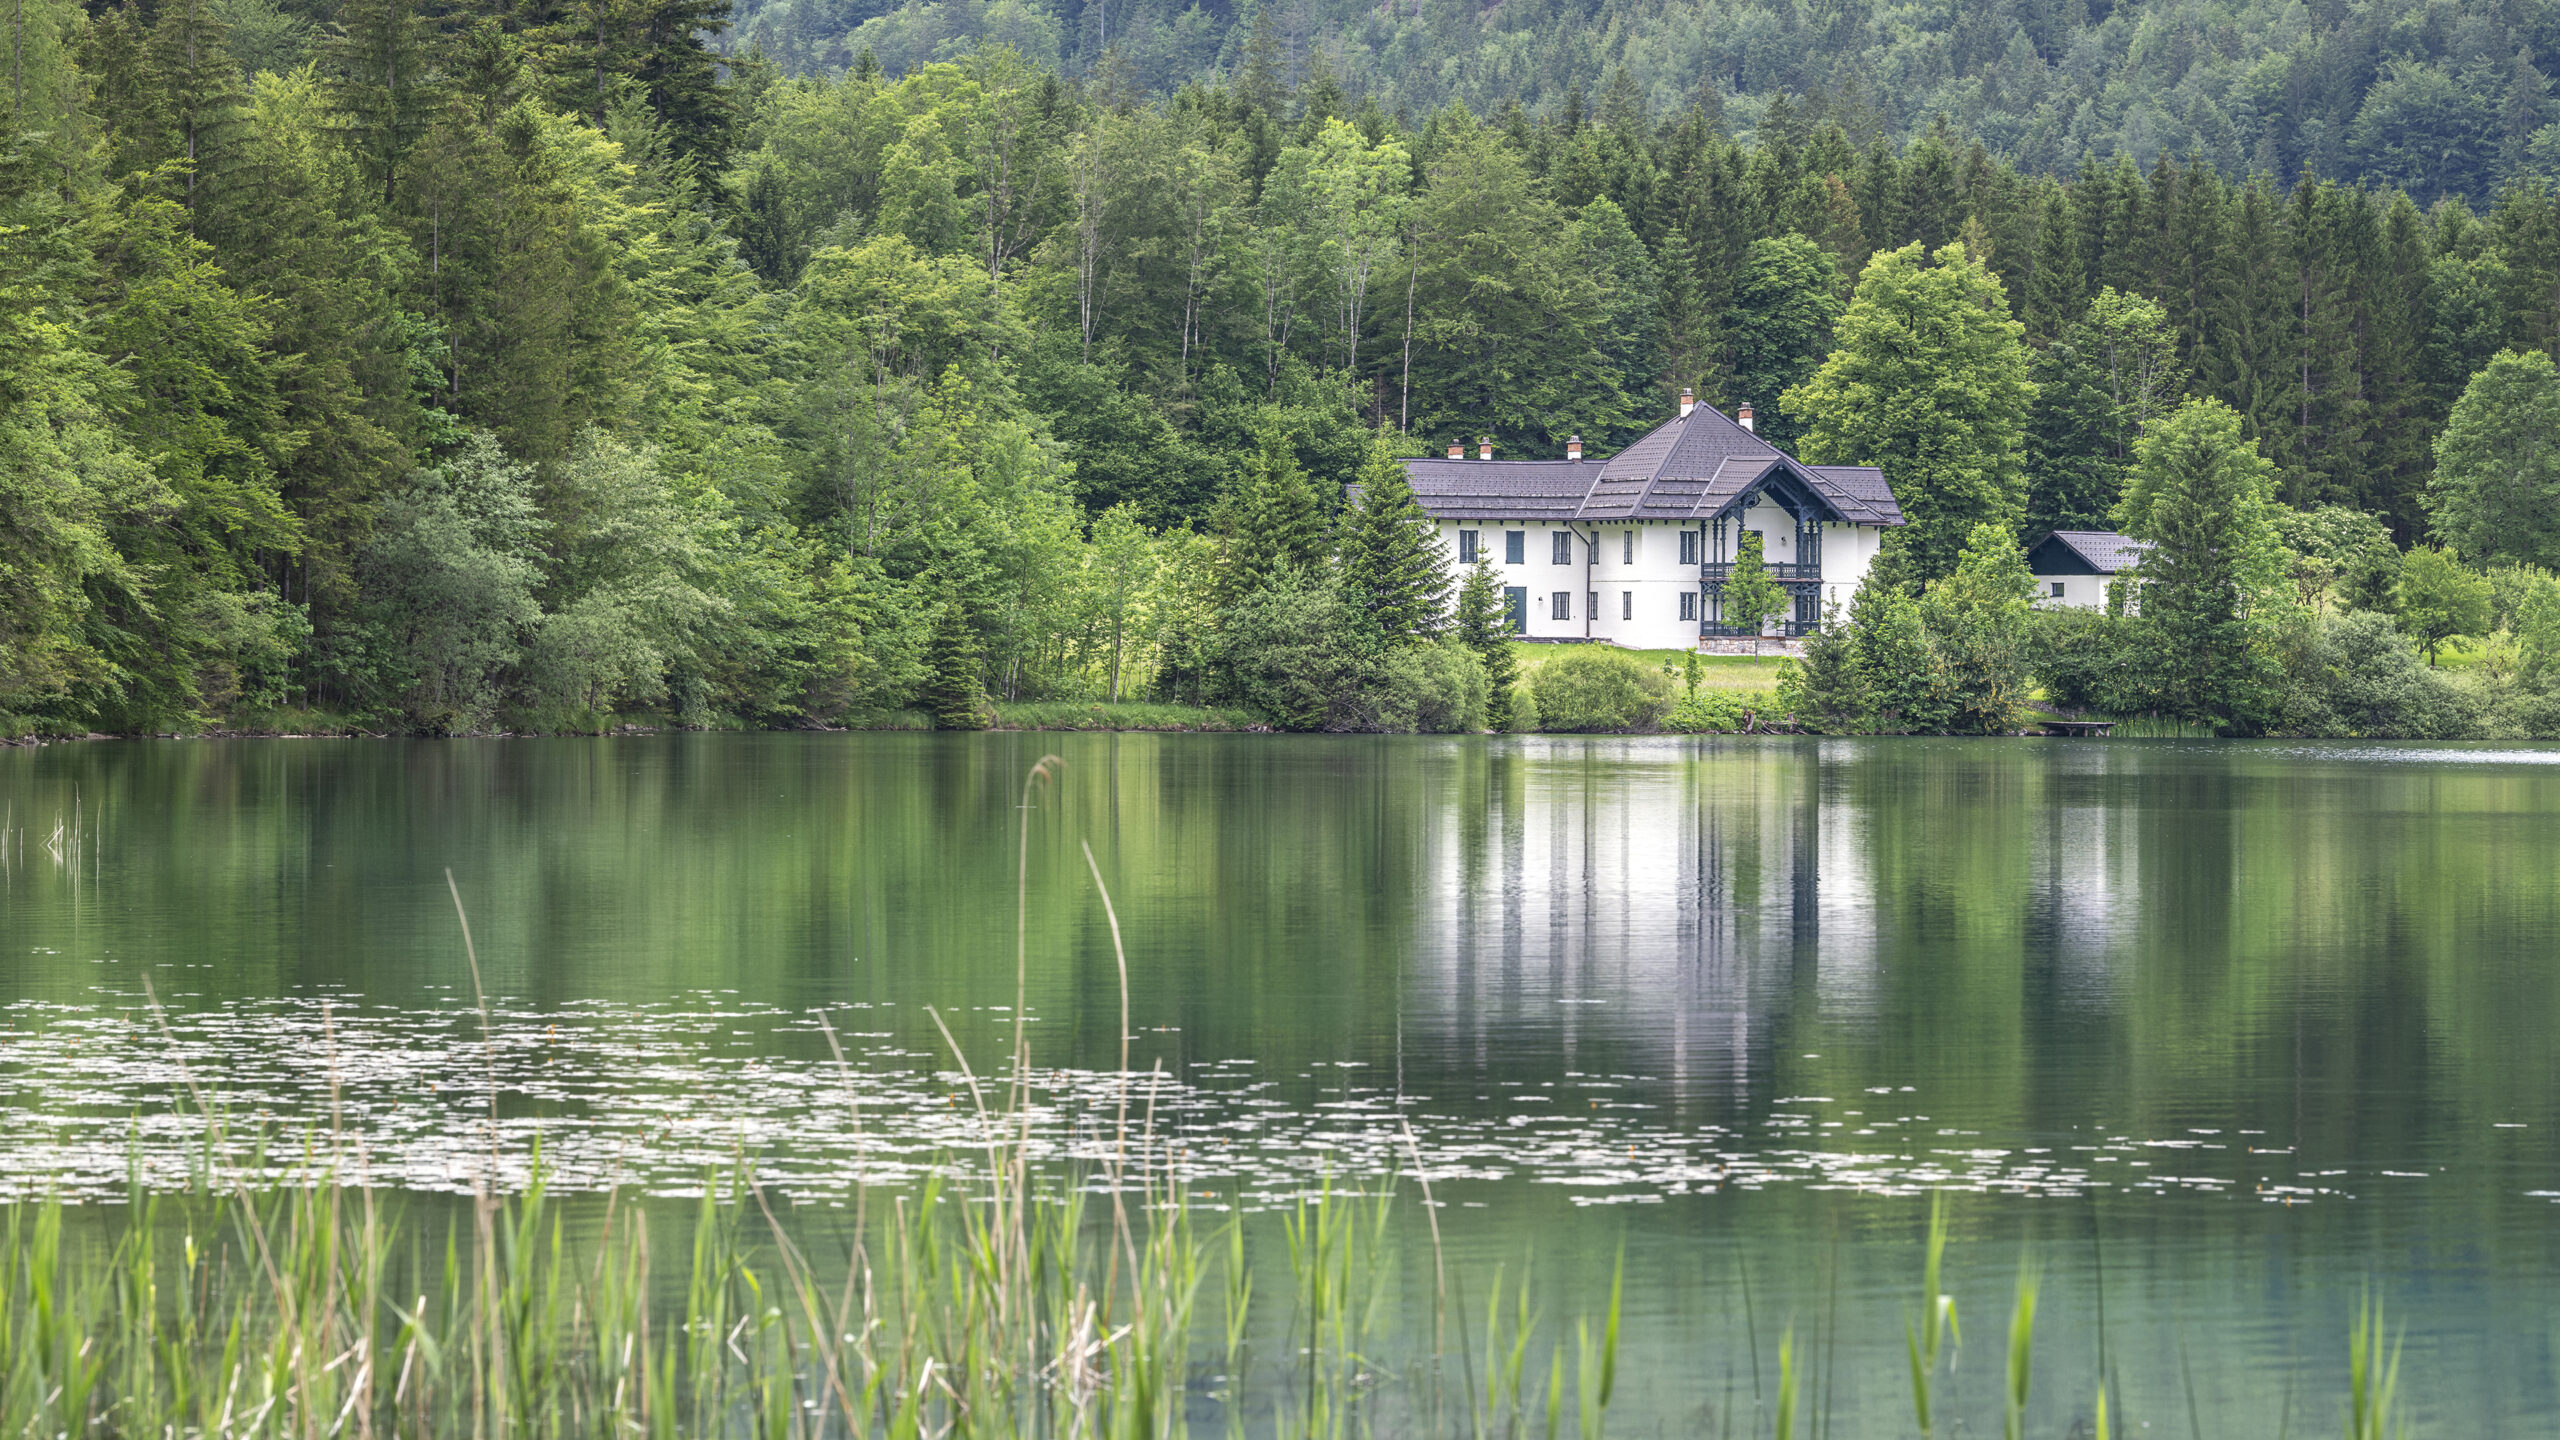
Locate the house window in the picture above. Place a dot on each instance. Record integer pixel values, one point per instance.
(1561, 605)
(1593, 600)
(1630, 557)
(1515, 547)
(2057, 589)
(1467, 547)
(1688, 547)
(1688, 604)
(1562, 549)
(1626, 604)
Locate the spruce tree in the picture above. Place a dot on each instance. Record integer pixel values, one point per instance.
(1274, 520)
(951, 689)
(1395, 573)
(204, 109)
(381, 60)
(1483, 624)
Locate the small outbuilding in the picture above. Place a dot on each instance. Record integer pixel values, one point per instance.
(2073, 567)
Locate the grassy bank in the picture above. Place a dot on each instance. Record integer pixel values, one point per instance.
(1736, 673)
(1126, 715)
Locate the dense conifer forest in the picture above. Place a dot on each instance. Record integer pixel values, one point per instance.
(448, 368)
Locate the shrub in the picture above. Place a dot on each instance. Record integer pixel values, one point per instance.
(1722, 712)
(1822, 691)
(1290, 652)
(1598, 688)
(2361, 678)
(1523, 719)
(1438, 689)
(2081, 658)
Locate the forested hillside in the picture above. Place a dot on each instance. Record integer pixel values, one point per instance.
(439, 370)
(2434, 96)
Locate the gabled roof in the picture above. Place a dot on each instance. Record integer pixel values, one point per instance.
(2104, 552)
(1501, 489)
(1692, 467)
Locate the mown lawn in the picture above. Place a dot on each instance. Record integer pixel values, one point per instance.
(1715, 672)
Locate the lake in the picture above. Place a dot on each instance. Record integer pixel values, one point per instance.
(2220, 1037)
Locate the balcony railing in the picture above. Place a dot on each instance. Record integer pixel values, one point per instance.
(1778, 570)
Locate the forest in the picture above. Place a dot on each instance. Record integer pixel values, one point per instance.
(453, 369)
(2431, 96)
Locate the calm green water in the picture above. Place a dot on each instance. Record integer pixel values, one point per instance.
(2219, 1034)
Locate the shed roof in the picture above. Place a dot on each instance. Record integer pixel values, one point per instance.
(2104, 552)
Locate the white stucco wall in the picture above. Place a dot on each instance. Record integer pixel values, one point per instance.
(2077, 592)
(1639, 602)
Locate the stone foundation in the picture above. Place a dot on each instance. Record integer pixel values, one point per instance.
(1769, 648)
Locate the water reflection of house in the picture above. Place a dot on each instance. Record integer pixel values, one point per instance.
(1636, 548)
(1681, 907)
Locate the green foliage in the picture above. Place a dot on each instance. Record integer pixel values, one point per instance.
(1597, 688)
(785, 366)
(1751, 598)
(1823, 691)
(952, 689)
(1724, 712)
(2341, 551)
(1482, 624)
(1394, 569)
(1978, 621)
(2496, 492)
(2360, 677)
(451, 582)
(1927, 377)
(1437, 688)
(2214, 581)
(2441, 598)
(1777, 326)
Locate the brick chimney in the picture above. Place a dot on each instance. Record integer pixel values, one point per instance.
(1573, 448)
(1484, 447)
(1742, 417)
(1457, 449)
(1688, 401)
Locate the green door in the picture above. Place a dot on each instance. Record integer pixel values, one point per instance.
(1515, 602)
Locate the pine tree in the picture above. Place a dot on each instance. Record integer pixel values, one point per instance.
(1395, 573)
(1483, 624)
(1274, 521)
(381, 60)
(203, 107)
(2060, 286)
(951, 689)
(1688, 331)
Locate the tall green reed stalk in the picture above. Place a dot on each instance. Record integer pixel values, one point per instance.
(1935, 1327)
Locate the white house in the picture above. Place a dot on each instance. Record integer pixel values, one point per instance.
(1635, 548)
(2073, 567)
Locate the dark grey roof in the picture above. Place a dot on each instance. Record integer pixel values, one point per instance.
(1686, 468)
(2104, 551)
(1501, 489)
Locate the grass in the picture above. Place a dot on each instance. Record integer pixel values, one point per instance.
(1126, 715)
(1715, 672)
